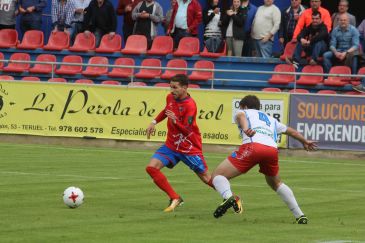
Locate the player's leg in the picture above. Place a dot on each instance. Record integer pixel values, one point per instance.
(160, 159)
(197, 164)
(287, 195)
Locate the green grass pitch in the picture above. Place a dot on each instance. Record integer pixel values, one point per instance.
(123, 205)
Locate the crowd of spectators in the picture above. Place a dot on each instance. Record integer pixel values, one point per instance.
(245, 29)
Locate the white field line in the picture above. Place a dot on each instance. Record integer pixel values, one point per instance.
(19, 173)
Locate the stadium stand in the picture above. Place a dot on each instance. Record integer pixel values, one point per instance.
(57, 80)
(288, 51)
(338, 81)
(161, 45)
(70, 69)
(162, 85)
(18, 67)
(149, 73)
(120, 72)
(174, 63)
(1, 58)
(83, 43)
(326, 91)
(137, 84)
(198, 75)
(194, 86)
(188, 46)
(31, 78)
(205, 52)
(136, 45)
(6, 77)
(58, 41)
(110, 45)
(32, 39)
(8, 38)
(282, 78)
(271, 89)
(43, 68)
(299, 91)
(96, 70)
(84, 81)
(110, 82)
(311, 80)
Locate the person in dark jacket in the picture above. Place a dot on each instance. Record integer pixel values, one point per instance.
(100, 18)
(312, 40)
(31, 14)
(212, 17)
(233, 22)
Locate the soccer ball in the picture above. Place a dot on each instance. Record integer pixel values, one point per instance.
(73, 197)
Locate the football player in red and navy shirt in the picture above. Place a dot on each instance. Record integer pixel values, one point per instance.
(183, 141)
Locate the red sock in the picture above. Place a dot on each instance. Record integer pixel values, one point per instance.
(161, 181)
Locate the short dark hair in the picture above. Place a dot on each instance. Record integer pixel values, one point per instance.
(182, 79)
(316, 12)
(251, 102)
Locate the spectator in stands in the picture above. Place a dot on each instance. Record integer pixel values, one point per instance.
(185, 19)
(147, 15)
(100, 18)
(8, 13)
(264, 27)
(125, 8)
(343, 7)
(289, 19)
(31, 14)
(343, 46)
(62, 15)
(361, 29)
(312, 40)
(233, 22)
(78, 18)
(306, 18)
(251, 12)
(167, 19)
(212, 18)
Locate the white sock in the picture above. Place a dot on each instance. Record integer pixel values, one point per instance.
(287, 196)
(221, 184)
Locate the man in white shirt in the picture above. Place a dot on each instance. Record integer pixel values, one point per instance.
(259, 134)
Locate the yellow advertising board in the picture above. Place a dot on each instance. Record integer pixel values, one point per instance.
(74, 110)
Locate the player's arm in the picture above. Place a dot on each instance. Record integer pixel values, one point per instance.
(151, 127)
(307, 144)
(241, 120)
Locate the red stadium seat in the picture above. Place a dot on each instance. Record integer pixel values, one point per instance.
(282, 78)
(149, 73)
(1, 58)
(271, 89)
(122, 72)
(175, 63)
(8, 38)
(299, 91)
(32, 39)
(338, 81)
(137, 84)
(84, 81)
(57, 80)
(6, 77)
(18, 67)
(83, 43)
(325, 91)
(69, 69)
(58, 41)
(188, 46)
(357, 81)
(194, 86)
(288, 51)
(198, 75)
(161, 45)
(136, 44)
(166, 85)
(44, 68)
(28, 78)
(311, 80)
(110, 82)
(96, 70)
(205, 52)
(110, 45)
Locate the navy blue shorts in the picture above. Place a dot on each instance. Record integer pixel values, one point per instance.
(170, 158)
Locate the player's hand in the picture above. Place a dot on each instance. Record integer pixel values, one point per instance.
(150, 129)
(249, 132)
(310, 145)
(170, 114)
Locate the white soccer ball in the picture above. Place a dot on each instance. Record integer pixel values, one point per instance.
(73, 197)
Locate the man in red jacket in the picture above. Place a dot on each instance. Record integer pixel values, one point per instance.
(185, 19)
(183, 142)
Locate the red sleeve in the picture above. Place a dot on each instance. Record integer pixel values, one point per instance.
(197, 17)
(186, 125)
(160, 117)
(172, 20)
